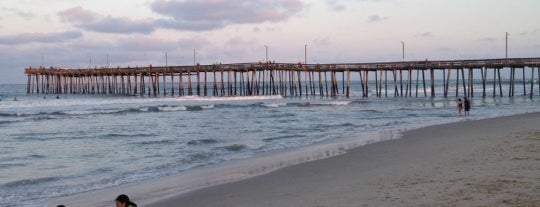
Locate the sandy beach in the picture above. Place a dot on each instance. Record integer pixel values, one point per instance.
(492, 162)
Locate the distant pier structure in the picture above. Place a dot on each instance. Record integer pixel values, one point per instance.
(389, 79)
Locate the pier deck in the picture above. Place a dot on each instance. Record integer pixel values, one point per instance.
(287, 79)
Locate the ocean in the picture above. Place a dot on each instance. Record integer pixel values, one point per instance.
(57, 146)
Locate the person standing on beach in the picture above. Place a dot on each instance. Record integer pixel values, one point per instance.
(467, 106)
(459, 106)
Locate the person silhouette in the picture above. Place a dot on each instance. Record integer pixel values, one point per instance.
(467, 104)
(459, 106)
(123, 201)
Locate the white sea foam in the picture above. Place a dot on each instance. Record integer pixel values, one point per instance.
(333, 103)
(208, 106)
(274, 105)
(233, 98)
(26, 113)
(32, 102)
(87, 112)
(172, 108)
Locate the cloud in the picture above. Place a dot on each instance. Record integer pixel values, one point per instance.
(194, 15)
(39, 37)
(335, 5)
(238, 41)
(215, 14)
(322, 41)
(425, 34)
(488, 39)
(446, 49)
(191, 42)
(17, 12)
(376, 18)
(535, 31)
(145, 44)
(123, 51)
(199, 25)
(78, 15)
(268, 29)
(92, 21)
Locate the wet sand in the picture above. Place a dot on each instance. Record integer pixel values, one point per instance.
(492, 162)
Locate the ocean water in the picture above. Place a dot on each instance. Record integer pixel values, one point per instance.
(53, 147)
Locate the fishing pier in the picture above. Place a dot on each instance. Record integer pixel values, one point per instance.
(397, 79)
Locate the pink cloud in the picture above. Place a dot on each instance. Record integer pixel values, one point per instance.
(195, 15)
(92, 21)
(213, 14)
(78, 15)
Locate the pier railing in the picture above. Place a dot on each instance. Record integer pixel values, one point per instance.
(287, 79)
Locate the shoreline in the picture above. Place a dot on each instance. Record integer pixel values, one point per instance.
(479, 162)
(161, 188)
(300, 182)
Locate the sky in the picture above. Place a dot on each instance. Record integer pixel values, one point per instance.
(84, 33)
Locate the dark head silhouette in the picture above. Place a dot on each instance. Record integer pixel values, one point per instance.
(123, 201)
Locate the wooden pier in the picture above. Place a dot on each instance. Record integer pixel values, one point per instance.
(286, 79)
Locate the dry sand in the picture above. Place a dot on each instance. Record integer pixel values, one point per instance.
(492, 162)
